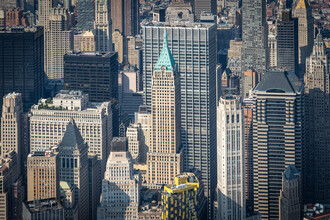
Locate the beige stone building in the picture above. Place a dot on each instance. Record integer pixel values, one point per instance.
(303, 12)
(134, 137)
(164, 158)
(11, 126)
(134, 53)
(143, 117)
(58, 41)
(42, 176)
(84, 41)
(103, 26)
(119, 42)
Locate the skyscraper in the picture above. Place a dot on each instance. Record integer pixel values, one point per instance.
(317, 122)
(287, 42)
(103, 26)
(94, 121)
(44, 9)
(43, 178)
(164, 158)
(290, 196)
(22, 63)
(72, 151)
(303, 12)
(125, 16)
(80, 68)
(254, 36)
(230, 154)
(120, 186)
(11, 127)
(193, 47)
(277, 136)
(58, 41)
(86, 14)
(84, 41)
(204, 5)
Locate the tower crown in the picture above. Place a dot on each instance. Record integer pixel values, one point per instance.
(165, 58)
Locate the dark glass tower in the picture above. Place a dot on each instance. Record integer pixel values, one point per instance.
(22, 63)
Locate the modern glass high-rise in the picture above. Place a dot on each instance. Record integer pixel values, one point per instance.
(254, 36)
(287, 41)
(230, 159)
(277, 136)
(193, 47)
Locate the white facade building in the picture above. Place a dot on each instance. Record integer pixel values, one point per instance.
(120, 189)
(134, 137)
(48, 121)
(230, 153)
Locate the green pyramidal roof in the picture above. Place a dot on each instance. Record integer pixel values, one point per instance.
(165, 57)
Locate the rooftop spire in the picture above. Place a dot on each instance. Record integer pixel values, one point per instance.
(165, 57)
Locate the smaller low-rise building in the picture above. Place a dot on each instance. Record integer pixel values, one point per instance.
(43, 209)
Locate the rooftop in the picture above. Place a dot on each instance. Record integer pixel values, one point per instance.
(279, 81)
(65, 185)
(70, 94)
(291, 173)
(94, 54)
(179, 24)
(42, 153)
(43, 205)
(13, 95)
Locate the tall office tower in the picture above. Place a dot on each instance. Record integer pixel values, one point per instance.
(278, 130)
(230, 154)
(43, 178)
(204, 5)
(120, 186)
(134, 53)
(72, 151)
(287, 42)
(86, 14)
(143, 117)
(135, 143)
(186, 185)
(84, 41)
(125, 16)
(11, 127)
(303, 12)
(14, 17)
(290, 196)
(103, 26)
(118, 40)
(272, 45)
(164, 158)
(248, 150)
(44, 9)
(317, 124)
(94, 180)
(22, 63)
(251, 80)
(94, 121)
(254, 36)
(58, 41)
(80, 68)
(194, 51)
